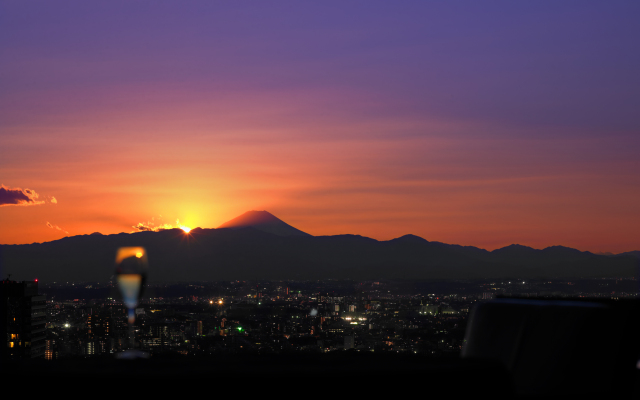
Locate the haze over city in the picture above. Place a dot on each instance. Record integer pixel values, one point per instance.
(474, 123)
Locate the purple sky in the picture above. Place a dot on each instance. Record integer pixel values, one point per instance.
(479, 123)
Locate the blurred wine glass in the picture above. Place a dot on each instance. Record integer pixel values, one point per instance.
(131, 275)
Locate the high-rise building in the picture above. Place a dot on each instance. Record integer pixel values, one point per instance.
(23, 319)
(49, 352)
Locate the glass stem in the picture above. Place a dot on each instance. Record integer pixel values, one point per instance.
(132, 319)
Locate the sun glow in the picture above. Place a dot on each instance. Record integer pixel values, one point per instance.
(185, 228)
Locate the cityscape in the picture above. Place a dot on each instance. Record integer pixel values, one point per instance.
(283, 317)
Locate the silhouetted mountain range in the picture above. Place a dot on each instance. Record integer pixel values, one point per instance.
(273, 249)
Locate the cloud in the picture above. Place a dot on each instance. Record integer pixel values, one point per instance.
(18, 197)
(141, 227)
(56, 227)
(151, 226)
(53, 200)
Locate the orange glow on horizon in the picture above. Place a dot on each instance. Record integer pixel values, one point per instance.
(440, 187)
(334, 126)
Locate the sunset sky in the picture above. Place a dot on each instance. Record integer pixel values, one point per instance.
(466, 122)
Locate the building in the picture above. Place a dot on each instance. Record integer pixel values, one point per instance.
(23, 319)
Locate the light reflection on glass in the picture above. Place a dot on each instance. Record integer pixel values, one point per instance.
(131, 275)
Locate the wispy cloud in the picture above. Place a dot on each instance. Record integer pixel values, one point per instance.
(56, 227)
(155, 226)
(18, 197)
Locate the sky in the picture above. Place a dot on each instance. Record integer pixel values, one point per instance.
(475, 123)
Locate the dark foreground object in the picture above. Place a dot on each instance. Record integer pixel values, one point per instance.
(339, 374)
(560, 347)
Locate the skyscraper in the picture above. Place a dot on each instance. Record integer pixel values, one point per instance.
(23, 319)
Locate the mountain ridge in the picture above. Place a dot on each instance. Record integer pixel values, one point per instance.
(258, 245)
(248, 253)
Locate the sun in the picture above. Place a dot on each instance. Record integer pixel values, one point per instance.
(186, 229)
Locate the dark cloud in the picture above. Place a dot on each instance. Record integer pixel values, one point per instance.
(18, 197)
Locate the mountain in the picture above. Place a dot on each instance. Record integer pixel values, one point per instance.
(263, 221)
(243, 248)
(635, 253)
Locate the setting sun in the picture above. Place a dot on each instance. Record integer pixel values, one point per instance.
(419, 143)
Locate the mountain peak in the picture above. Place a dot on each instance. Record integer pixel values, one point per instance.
(514, 249)
(263, 221)
(410, 239)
